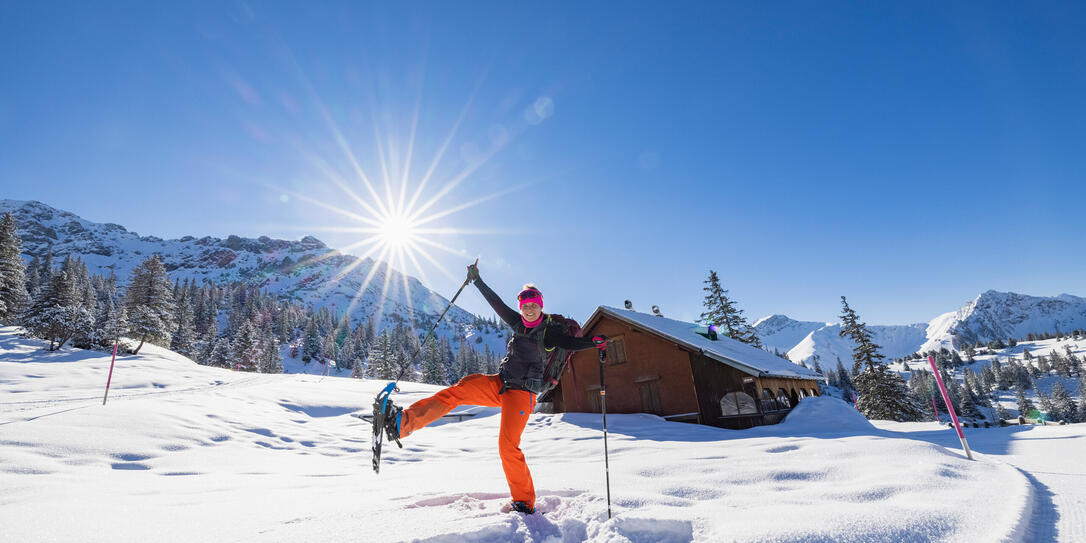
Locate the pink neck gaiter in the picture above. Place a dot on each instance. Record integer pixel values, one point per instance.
(531, 324)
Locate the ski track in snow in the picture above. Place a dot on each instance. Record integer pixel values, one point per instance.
(184, 452)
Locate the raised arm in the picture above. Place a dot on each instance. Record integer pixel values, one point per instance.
(557, 338)
(507, 314)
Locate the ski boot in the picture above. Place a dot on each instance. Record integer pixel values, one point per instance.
(521, 507)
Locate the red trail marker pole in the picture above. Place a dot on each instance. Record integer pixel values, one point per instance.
(110, 378)
(950, 407)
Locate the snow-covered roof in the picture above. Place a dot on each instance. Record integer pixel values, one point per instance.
(734, 353)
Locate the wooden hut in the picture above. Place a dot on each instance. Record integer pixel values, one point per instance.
(682, 372)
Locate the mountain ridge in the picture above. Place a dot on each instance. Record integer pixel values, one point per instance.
(991, 315)
(304, 270)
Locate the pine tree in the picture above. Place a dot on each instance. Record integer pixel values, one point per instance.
(844, 379)
(270, 359)
(1025, 406)
(382, 359)
(184, 337)
(491, 361)
(13, 294)
(311, 342)
(1063, 406)
(329, 348)
(33, 278)
(866, 353)
(221, 353)
(433, 368)
(721, 311)
(1044, 401)
(150, 305)
(970, 353)
(57, 313)
(246, 347)
(968, 408)
(1081, 398)
(882, 393)
(111, 324)
(1001, 412)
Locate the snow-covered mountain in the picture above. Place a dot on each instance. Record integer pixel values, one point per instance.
(781, 333)
(305, 270)
(992, 315)
(1002, 315)
(827, 344)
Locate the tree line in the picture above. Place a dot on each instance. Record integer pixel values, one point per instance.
(234, 326)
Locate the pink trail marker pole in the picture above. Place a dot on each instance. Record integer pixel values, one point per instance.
(933, 406)
(854, 400)
(950, 407)
(110, 378)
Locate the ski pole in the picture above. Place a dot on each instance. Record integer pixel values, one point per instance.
(110, 378)
(603, 410)
(432, 328)
(950, 407)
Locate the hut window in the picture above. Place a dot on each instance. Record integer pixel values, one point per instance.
(616, 351)
(737, 403)
(768, 403)
(782, 399)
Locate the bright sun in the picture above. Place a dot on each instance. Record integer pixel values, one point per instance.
(398, 225)
(396, 231)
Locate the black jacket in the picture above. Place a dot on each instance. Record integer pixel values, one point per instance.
(522, 367)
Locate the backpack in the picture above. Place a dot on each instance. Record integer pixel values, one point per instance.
(556, 359)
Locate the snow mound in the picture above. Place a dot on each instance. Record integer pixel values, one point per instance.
(822, 414)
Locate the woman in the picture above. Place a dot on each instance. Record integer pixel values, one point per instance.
(513, 388)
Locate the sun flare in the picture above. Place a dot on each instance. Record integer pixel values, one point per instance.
(396, 231)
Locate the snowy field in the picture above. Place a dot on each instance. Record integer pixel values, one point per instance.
(188, 453)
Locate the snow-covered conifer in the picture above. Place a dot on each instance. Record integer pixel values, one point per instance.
(1063, 405)
(1025, 405)
(433, 367)
(246, 347)
(14, 298)
(184, 337)
(270, 359)
(1044, 402)
(968, 403)
(57, 314)
(382, 359)
(33, 278)
(111, 324)
(221, 353)
(149, 300)
(721, 311)
(866, 353)
(1001, 412)
(311, 342)
(844, 378)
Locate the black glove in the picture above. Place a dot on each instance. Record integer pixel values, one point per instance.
(600, 341)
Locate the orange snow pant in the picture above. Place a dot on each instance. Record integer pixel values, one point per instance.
(479, 389)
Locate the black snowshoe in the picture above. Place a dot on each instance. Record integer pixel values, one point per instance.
(386, 421)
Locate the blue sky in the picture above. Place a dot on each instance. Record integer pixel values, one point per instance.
(908, 156)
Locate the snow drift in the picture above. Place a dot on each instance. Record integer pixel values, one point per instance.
(184, 452)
